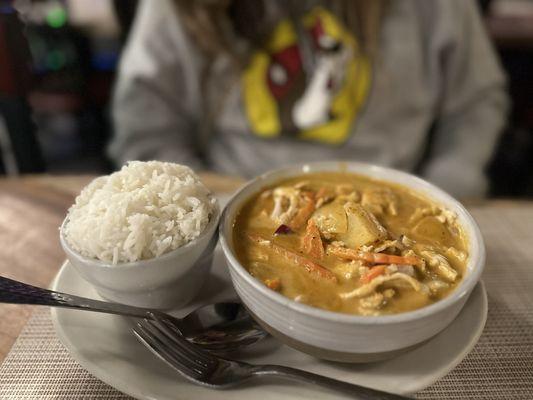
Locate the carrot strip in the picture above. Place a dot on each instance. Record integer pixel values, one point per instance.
(309, 265)
(374, 258)
(374, 272)
(322, 192)
(303, 214)
(312, 242)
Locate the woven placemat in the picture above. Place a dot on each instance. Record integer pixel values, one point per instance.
(499, 367)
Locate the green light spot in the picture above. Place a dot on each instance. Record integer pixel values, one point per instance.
(56, 17)
(55, 60)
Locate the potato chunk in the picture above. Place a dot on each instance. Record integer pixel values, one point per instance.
(331, 219)
(363, 227)
(350, 223)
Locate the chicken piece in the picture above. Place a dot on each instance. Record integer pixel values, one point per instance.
(372, 302)
(337, 243)
(387, 245)
(447, 216)
(406, 269)
(440, 264)
(286, 202)
(331, 219)
(407, 241)
(403, 268)
(371, 287)
(347, 270)
(457, 254)
(437, 285)
(391, 245)
(362, 227)
(422, 212)
(442, 214)
(312, 242)
(367, 249)
(306, 207)
(391, 269)
(380, 201)
(374, 258)
(292, 207)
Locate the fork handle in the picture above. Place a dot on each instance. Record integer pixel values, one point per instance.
(355, 391)
(16, 292)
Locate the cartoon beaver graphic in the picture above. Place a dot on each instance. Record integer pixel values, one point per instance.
(285, 95)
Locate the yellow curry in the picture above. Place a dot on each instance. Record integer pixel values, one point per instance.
(347, 243)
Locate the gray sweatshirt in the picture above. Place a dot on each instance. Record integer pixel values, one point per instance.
(435, 71)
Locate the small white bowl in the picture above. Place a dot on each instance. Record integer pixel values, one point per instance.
(343, 337)
(165, 282)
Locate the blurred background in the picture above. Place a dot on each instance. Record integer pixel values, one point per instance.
(58, 61)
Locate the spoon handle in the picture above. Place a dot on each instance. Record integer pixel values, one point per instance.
(16, 292)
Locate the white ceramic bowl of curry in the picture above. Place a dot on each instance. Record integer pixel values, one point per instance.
(341, 336)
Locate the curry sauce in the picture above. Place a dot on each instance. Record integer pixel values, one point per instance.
(347, 243)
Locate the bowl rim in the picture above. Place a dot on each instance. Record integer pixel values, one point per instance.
(475, 264)
(209, 229)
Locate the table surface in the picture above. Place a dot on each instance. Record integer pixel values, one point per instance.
(31, 210)
(39, 367)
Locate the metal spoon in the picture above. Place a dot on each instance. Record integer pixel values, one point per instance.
(216, 327)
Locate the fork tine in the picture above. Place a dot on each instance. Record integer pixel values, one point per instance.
(173, 333)
(173, 350)
(177, 338)
(161, 351)
(197, 359)
(171, 325)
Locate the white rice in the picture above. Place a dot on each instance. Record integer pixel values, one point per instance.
(140, 212)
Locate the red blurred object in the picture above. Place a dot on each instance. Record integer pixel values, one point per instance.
(15, 68)
(283, 230)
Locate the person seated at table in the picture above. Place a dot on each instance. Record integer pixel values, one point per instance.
(240, 87)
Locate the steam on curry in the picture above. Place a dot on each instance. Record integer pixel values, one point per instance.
(346, 243)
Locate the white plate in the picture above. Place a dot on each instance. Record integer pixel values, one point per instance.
(104, 346)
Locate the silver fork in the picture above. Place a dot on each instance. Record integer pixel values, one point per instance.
(215, 372)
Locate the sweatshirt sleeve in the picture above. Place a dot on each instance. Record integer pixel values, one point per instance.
(155, 101)
(472, 106)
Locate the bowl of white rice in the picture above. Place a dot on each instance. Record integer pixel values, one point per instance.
(144, 235)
